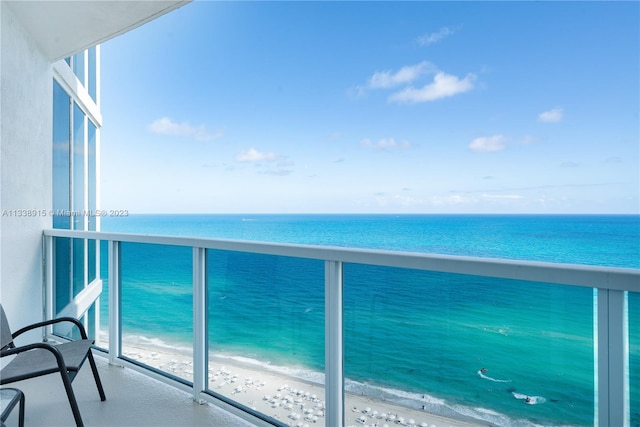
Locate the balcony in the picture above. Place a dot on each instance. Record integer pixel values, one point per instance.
(335, 325)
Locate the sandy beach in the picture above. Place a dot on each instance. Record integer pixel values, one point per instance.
(290, 400)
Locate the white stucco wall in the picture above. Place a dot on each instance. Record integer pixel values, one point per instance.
(25, 168)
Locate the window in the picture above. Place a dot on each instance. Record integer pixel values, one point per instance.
(75, 181)
(92, 71)
(78, 66)
(61, 160)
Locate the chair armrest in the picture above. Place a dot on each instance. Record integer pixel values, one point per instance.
(76, 322)
(42, 345)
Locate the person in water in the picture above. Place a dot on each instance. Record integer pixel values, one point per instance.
(483, 370)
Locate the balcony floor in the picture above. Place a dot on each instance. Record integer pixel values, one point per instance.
(133, 399)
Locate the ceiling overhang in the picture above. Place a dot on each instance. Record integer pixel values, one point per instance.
(62, 28)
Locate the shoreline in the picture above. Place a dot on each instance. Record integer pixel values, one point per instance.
(292, 400)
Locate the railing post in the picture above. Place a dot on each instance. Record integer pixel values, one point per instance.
(199, 322)
(334, 360)
(115, 316)
(48, 282)
(613, 359)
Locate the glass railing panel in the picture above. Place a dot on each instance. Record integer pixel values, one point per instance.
(92, 260)
(504, 352)
(634, 357)
(157, 307)
(78, 269)
(63, 289)
(69, 267)
(103, 268)
(266, 334)
(62, 292)
(91, 322)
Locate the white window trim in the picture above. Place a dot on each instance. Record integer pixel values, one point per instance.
(63, 74)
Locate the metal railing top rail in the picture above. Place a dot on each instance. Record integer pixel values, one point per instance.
(613, 278)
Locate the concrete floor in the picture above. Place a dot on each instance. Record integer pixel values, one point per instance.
(133, 400)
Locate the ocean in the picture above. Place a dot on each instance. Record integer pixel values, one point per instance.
(417, 338)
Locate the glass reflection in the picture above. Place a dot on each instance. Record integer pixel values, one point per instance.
(266, 334)
(456, 345)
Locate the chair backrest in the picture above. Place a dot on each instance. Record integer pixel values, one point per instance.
(5, 331)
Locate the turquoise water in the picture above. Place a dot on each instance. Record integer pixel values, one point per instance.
(418, 338)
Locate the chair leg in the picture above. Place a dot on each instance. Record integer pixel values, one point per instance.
(94, 368)
(21, 411)
(72, 398)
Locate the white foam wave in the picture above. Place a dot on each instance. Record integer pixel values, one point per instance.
(142, 340)
(486, 411)
(486, 377)
(436, 406)
(529, 400)
(300, 373)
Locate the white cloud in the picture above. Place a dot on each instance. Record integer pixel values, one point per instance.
(453, 199)
(552, 116)
(502, 196)
(253, 155)
(443, 85)
(488, 143)
(431, 38)
(166, 126)
(386, 144)
(282, 167)
(408, 74)
(479, 202)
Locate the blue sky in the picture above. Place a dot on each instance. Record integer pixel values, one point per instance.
(375, 107)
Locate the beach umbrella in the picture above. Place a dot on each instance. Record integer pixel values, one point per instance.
(411, 421)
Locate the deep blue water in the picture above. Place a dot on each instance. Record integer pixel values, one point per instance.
(408, 334)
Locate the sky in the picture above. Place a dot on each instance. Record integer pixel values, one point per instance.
(375, 107)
